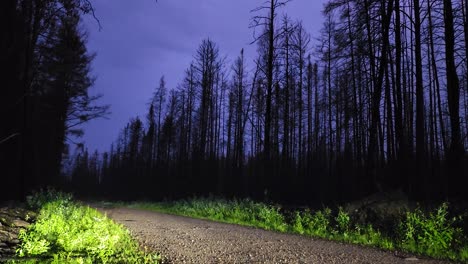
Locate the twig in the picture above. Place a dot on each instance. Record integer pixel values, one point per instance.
(9, 137)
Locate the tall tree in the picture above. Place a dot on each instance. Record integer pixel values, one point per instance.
(269, 23)
(300, 43)
(420, 128)
(239, 93)
(456, 150)
(159, 99)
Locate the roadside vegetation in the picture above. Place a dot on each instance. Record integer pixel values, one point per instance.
(431, 233)
(69, 232)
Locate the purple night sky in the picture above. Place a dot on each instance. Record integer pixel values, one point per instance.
(142, 40)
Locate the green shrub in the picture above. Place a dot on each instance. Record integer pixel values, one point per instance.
(244, 212)
(342, 221)
(39, 198)
(66, 231)
(269, 218)
(298, 223)
(316, 224)
(434, 234)
(463, 255)
(368, 235)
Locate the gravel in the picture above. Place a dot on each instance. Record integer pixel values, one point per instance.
(186, 240)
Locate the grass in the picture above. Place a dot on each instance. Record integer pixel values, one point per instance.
(432, 233)
(68, 232)
(242, 212)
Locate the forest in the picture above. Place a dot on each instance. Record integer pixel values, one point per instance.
(378, 103)
(45, 79)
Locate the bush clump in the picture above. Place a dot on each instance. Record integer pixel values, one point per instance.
(66, 231)
(243, 212)
(313, 224)
(434, 234)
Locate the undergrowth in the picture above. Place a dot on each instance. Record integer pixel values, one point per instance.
(68, 232)
(431, 233)
(242, 212)
(434, 234)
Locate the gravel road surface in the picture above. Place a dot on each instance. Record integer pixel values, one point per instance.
(187, 240)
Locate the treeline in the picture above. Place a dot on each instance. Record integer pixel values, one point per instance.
(45, 77)
(379, 103)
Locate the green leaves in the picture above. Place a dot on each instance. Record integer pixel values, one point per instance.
(434, 234)
(342, 221)
(31, 245)
(39, 198)
(316, 224)
(322, 224)
(66, 231)
(243, 212)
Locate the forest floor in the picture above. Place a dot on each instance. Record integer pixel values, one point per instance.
(186, 240)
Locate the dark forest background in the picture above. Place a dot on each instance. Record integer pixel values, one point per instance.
(45, 76)
(378, 103)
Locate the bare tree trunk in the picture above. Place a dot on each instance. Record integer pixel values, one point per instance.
(390, 133)
(436, 81)
(456, 150)
(287, 87)
(271, 50)
(420, 131)
(309, 109)
(402, 155)
(329, 94)
(465, 30)
(317, 110)
(387, 11)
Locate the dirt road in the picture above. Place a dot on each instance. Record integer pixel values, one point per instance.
(187, 240)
